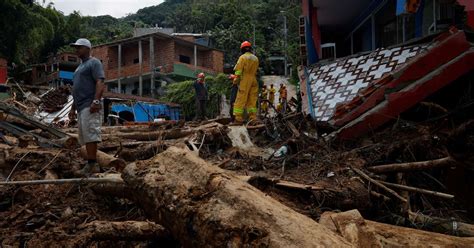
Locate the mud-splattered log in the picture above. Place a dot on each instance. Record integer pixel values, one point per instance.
(203, 206)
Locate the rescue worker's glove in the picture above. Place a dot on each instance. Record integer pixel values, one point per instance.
(236, 80)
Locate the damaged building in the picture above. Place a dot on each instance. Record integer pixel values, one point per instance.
(131, 64)
(381, 58)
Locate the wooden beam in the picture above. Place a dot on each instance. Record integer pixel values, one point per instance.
(366, 177)
(413, 166)
(418, 190)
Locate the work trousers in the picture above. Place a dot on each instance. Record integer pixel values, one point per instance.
(201, 109)
(246, 100)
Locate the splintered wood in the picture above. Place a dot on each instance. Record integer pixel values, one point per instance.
(206, 207)
(364, 233)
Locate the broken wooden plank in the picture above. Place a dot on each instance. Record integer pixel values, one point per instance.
(18, 132)
(150, 136)
(64, 181)
(375, 182)
(445, 225)
(283, 183)
(106, 160)
(413, 166)
(364, 233)
(418, 190)
(15, 112)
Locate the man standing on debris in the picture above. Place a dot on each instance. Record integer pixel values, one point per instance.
(246, 72)
(201, 96)
(88, 87)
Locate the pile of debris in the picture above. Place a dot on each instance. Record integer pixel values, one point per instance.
(288, 182)
(209, 184)
(54, 100)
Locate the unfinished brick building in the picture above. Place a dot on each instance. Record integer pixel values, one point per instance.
(139, 65)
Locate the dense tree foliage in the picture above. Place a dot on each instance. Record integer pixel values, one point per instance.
(29, 31)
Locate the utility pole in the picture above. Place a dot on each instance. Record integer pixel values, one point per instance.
(285, 30)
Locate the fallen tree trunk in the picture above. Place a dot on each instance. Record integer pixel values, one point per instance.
(364, 233)
(127, 230)
(414, 166)
(106, 160)
(202, 206)
(141, 127)
(443, 225)
(142, 153)
(68, 142)
(155, 135)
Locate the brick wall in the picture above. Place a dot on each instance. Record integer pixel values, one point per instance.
(184, 51)
(166, 54)
(187, 37)
(210, 59)
(217, 61)
(101, 53)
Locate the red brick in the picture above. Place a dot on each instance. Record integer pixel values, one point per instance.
(167, 52)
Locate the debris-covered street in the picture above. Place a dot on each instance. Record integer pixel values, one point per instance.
(179, 137)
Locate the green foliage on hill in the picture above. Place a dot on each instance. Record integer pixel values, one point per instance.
(30, 31)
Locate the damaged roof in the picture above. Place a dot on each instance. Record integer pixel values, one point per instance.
(359, 93)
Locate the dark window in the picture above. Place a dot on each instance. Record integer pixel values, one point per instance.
(386, 26)
(136, 61)
(71, 59)
(184, 59)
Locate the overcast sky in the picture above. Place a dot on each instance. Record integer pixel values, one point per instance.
(115, 8)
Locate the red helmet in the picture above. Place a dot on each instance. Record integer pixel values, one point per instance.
(201, 75)
(245, 44)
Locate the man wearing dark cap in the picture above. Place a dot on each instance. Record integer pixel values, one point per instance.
(88, 87)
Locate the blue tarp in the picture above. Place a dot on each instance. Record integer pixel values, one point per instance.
(145, 112)
(66, 75)
(401, 7)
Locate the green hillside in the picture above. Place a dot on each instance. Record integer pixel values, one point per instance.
(41, 30)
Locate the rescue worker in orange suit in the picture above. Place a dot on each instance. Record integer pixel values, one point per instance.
(233, 95)
(279, 106)
(264, 100)
(283, 97)
(201, 96)
(246, 72)
(271, 95)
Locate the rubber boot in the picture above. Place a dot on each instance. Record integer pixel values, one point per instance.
(88, 169)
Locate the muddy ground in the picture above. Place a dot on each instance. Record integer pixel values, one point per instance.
(55, 215)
